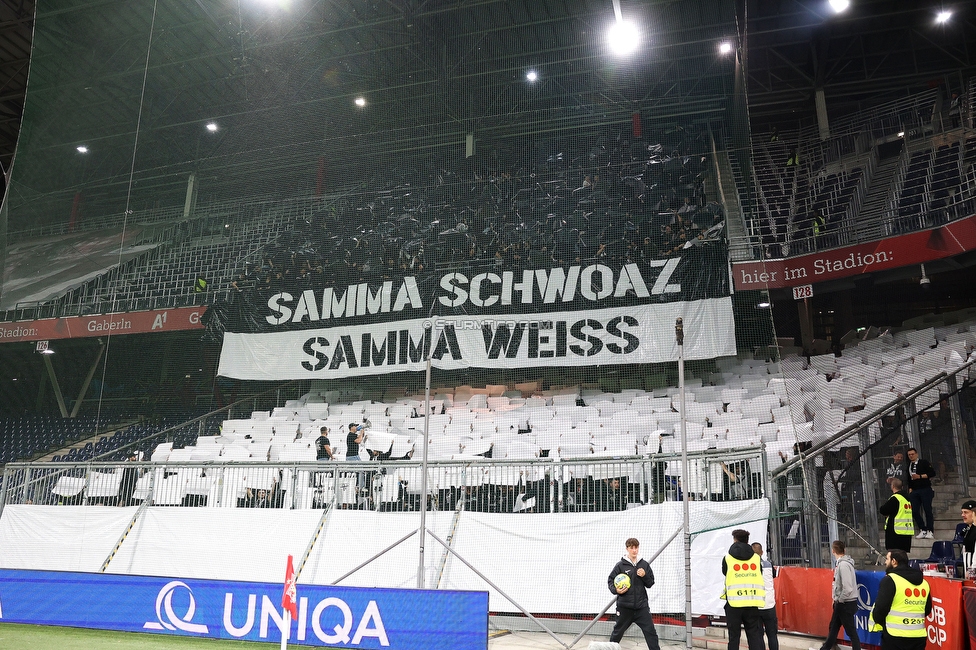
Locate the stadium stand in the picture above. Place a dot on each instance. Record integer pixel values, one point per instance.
(813, 194)
(27, 437)
(738, 404)
(610, 199)
(256, 175)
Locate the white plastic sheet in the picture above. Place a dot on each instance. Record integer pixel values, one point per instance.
(547, 562)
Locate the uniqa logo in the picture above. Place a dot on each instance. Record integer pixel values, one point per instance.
(331, 619)
(864, 597)
(167, 618)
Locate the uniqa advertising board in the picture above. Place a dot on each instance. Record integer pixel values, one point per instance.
(352, 617)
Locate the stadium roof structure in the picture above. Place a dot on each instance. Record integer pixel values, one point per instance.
(278, 81)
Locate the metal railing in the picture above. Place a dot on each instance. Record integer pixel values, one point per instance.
(532, 485)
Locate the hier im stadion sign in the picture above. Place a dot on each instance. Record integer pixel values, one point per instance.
(912, 248)
(138, 322)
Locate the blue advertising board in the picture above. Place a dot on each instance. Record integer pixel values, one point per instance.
(867, 592)
(352, 617)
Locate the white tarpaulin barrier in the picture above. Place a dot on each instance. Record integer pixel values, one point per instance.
(554, 563)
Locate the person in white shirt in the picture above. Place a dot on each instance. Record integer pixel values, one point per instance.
(767, 613)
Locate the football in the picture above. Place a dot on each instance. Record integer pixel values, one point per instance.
(622, 581)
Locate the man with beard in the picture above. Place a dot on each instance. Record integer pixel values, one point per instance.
(904, 600)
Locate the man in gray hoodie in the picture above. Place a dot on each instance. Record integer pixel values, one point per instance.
(845, 599)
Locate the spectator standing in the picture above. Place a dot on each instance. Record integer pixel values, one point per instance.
(899, 522)
(733, 480)
(354, 438)
(632, 604)
(969, 536)
(844, 599)
(920, 474)
(745, 592)
(323, 448)
(260, 498)
(612, 497)
(904, 600)
(127, 486)
(767, 613)
(896, 469)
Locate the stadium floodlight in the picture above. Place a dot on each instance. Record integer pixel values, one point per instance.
(943, 17)
(624, 38)
(47, 351)
(82, 148)
(839, 5)
(763, 305)
(532, 76)
(725, 48)
(211, 126)
(901, 134)
(360, 101)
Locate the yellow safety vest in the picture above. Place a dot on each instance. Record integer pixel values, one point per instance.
(906, 618)
(904, 523)
(744, 584)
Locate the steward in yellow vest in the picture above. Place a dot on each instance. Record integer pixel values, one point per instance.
(899, 525)
(744, 584)
(904, 600)
(745, 592)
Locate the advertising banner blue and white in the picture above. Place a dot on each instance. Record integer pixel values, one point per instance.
(351, 617)
(867, 591)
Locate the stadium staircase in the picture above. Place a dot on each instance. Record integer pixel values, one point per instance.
(869, 221)
(739, 248)
(81, 444)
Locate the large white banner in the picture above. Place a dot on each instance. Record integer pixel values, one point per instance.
(587, 314)
(619, 335)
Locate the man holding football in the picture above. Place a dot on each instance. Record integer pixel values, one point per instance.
(630, 579)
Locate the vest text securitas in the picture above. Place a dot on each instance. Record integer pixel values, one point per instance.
(744, 586)
(904, 524)
(907, 615)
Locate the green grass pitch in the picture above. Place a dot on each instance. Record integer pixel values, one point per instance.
(41, 637)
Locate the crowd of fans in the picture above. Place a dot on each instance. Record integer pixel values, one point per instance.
(616, 200)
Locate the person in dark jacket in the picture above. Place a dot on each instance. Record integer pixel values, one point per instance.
(632, 604)
(920, 474)
(969, 536)
(897, 563)
(890, 510)
(737, 618)
(127, 486)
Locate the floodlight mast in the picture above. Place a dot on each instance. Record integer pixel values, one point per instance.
(679, 335)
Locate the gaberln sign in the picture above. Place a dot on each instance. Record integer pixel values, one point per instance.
(400, 619)
(575, 315)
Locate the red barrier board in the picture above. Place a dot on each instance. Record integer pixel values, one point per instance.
(803, 601)
(946, 625)
(913, 248)
(138, 322)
